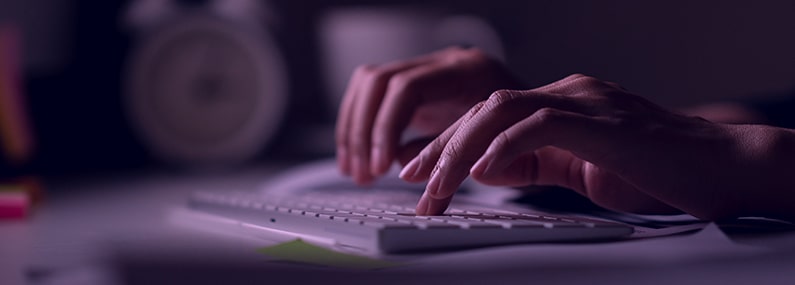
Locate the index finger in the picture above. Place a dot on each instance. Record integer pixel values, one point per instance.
(474, 135)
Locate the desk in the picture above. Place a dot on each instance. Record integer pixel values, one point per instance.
(117, 231)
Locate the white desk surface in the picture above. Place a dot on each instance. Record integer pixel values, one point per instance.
(117, 231)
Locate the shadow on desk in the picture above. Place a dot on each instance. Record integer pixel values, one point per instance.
(706, 257)
(113, 241)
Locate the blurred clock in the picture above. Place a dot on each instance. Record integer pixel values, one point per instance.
(206, 90)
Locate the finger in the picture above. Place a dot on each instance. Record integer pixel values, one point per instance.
(344, 116)
(502, 110)
(428, 206)
(554, 166)
(396, 110)
(523, 169)
(455, 156)
(420, 168)
(369, 93)
(546, 127)
(583, 136)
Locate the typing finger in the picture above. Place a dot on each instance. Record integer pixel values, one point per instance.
(368, 92)
(420, 168)
(502, 110)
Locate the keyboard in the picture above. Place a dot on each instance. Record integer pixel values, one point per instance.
(383, 221)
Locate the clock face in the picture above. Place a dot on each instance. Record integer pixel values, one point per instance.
(203, 86)
(206, 92)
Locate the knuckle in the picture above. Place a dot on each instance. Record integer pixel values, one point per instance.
(588, 81)
(574, 76)
(580, 78)
(453, 149)
(454, 49)
(475, 109)
(458, 55)
(375, 76)
(474, 53)
(402, 82)
(548, 115)
(501, 97)
(363, 70)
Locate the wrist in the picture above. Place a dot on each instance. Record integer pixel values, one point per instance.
(767, 158)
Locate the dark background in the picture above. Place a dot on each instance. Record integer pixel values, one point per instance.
(677, 53)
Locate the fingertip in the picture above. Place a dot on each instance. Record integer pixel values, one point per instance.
(487, 166)
(360, 172)
(409, 172)
(422, 206)
(432, 189)
(443, 183)
(436, 207)
(363, 179)
(479, 170)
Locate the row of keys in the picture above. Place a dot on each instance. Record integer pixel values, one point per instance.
(396, 216)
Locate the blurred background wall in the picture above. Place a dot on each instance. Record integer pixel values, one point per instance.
(78, 56)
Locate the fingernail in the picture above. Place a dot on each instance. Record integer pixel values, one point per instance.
(409, 172)
(422, 206)
(480, 169)
(433, 185)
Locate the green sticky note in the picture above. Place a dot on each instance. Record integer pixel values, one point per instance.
(300, 251)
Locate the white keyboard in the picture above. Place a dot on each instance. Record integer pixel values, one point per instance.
(384, 221)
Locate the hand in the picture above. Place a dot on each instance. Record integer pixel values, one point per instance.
(426, 94)
(618, 149)
(726, 112)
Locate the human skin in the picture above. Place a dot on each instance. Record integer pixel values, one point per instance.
(616, 148)
(425, 94)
